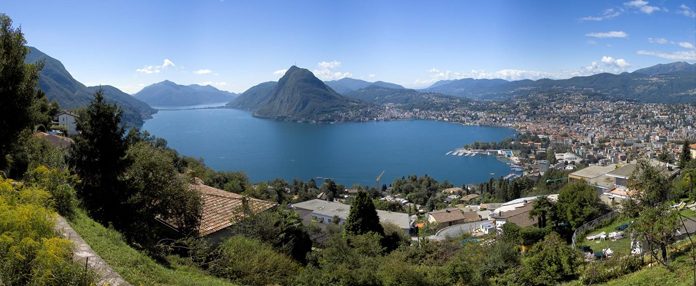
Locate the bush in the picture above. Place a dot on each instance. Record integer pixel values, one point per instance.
(30, 252)
(59, 184)
(603, 271)
(251, 262)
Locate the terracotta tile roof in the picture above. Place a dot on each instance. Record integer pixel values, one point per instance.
(448, 215)
(55, 140)
(693, 146)
(221, 209)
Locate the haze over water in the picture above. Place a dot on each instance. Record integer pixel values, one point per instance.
(233, 140)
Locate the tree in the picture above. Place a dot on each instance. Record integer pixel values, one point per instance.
(21, 104)
(363, 216)
(655, 220)
(98, 158)
(550, 262)
(685, 155)
(543, 210)
(155, 190)
(578, 203)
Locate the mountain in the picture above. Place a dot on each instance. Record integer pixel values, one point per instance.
(61, 87)
(167, 93)
(404, 98)
(254, 97)
(664, 83)
(299, 95)
(346, 85)
(667, 68)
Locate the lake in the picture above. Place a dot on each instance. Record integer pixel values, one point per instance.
(233, 140)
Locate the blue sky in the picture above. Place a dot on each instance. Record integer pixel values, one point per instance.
(234, 45)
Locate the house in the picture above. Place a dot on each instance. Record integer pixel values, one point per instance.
(519, 216)
(692, 149)
(452, 216)
(596, 176)
(68, 121)
(453, 191)
(324, 212)
(220, 210)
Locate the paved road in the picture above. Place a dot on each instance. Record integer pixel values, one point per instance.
(458, 229)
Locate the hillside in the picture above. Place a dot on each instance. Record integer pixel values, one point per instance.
(253, 97)
(664, 83)
(347, 85)
(407, 98)
(167, 93)
(299, 95)
(60, 86)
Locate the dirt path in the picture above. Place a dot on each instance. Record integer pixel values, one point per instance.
(83, 253)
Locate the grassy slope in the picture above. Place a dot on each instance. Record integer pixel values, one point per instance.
(659, 275)
(137, 268)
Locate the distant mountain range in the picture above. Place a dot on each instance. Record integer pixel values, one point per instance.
(170, 94)
(346, 85)
(61, 87)
(298, 95)
(663, 83)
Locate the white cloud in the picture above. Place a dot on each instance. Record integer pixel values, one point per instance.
(607, 14)
(203, 71)
(619, 63)
(280, 72)
(686, 11)
(659, 41)
(371, 76)
(166, 63)
(643, 6)
(688, 55)
(610, 34)
(326, 70)
(605, 64)
(686, 45)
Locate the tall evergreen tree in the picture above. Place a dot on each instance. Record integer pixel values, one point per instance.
(363, 216)
(21, 104)
(685, 155)
(98, 158)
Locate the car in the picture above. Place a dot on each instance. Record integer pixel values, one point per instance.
(622, 227)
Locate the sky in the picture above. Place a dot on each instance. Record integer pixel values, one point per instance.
(234, 45)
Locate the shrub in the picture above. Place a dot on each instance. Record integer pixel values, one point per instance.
(603, 271)
(251, 262)
(59, 184)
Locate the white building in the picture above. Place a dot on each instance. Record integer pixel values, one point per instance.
(323, 212)
(68, 120)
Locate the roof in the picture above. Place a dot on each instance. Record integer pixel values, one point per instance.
(593, 171)
(469, 197)
(693, 146)
(340, 210)
(448, 215)
(67, 113)
(624, 172)
(221, 209)
(518, 216)
(603, 181)
(55, 140)
(453, 190)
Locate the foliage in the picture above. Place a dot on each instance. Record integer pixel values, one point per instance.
(281, 228)
(30, 252)
(156, 190)
(251, 262)
(603, 271)
(685, 155)
(578, 203)
(59, 184)
(134, 266)
(549, 262)
(21, 104)
(98, 158)
(363, 216)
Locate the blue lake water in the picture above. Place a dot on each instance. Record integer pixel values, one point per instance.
(233, 140)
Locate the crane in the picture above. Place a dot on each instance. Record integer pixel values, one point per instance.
(379, 178)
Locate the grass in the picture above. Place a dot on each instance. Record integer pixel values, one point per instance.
(620, 247)
(682, 274)
(134, 266)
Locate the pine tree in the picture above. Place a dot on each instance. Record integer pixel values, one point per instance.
(21, 104)
(363, 216)
(685, 156)
(98, 158)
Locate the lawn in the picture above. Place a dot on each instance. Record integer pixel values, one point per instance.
(620, 247)
(134, 266)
